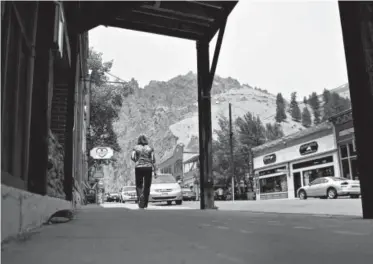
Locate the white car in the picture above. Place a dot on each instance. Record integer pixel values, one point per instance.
(128, 193)
(330, 187)
(165, 189)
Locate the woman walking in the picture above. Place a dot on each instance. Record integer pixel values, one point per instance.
(143, 156)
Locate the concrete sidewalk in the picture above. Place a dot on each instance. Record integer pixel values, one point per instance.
(119, 235)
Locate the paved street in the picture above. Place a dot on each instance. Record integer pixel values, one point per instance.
(346, 207)
(121, 235)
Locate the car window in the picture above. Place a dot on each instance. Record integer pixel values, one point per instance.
(128, 189)
(317, 181)
(164, 178)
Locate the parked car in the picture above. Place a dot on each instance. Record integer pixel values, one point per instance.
(165, 189)
(128, 193)
(113, 197)
(188, 195)
(330, 187)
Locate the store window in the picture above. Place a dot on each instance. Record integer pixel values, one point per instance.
(273, 184)
(348, 156)
(311, 175)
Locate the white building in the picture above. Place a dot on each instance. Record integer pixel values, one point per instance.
(284, 165)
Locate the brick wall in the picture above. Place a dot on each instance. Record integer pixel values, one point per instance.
(59, 111)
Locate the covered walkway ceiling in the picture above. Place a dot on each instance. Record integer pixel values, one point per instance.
(194, 20)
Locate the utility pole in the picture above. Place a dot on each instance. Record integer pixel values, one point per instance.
(231, 147)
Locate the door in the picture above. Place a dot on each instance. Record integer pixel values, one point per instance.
(320, 189)
(313, 187)
(297, 183)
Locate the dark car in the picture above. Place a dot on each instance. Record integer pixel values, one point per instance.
(113, 197)
(188, 195)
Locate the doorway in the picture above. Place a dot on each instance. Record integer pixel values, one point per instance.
(297, 182)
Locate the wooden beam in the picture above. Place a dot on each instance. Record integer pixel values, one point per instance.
(165, 21)
(171, 16)
(69, 132)
(205, 128)
(38, 155)
(155, 29)
(356, 20)
(217, 52)
(29, 92)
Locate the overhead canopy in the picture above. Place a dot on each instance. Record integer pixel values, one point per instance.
(194, 20)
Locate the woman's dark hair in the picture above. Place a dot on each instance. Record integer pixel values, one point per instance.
(142, 140)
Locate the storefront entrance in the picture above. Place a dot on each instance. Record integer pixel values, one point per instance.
(297, 182)
(308, 171)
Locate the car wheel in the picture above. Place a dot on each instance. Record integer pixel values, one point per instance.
(179, 202)
(332, 193)
(169, 202)
(302, 195)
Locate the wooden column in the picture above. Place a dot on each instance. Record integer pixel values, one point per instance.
(205, 128)
(356, 18)
(38, 154)
(69, 132)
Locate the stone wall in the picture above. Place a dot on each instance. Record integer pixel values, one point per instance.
(55, 186)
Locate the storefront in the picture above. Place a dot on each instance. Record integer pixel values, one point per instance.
(345, 137)
(283, 166)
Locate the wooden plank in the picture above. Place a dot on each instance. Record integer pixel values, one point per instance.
(170, 16)
(39, 131)
(155, 29)
(22, 26)
(29, 92)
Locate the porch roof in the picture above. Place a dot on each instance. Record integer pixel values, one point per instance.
(194, 20)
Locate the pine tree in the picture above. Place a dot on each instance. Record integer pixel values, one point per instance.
(305, 100)
(306, 117)
(294, 108)
(280, 109)
(315, 105)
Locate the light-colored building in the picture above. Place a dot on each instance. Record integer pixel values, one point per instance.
(345, 137)
(284, 165)
(173, 162)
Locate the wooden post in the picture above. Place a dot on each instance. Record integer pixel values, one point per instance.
(357, 21)
(205, 129)
(69, 132)
(29, 92)
(38, 154)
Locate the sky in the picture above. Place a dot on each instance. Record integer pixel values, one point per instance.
(281, 46)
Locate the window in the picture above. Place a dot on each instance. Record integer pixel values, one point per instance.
(345, 169)
(344, 151)
(348, 156)
(311, 175)
(273, 184)
(314, 162)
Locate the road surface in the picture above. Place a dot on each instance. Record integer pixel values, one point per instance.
(121, 235)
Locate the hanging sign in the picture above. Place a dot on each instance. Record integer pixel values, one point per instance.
(269, 159)
(102, 153)
(308, 148)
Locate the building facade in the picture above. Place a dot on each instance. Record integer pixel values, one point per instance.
(282, 166)
(43, 127)
(345, 137)
(173, 162)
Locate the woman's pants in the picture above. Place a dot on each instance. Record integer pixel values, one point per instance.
(143, 181)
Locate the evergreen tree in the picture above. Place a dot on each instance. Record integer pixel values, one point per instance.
(273, 131)
(280, 109)
(315, 105)
(294, 108)
(306, 117)
(305, 100)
